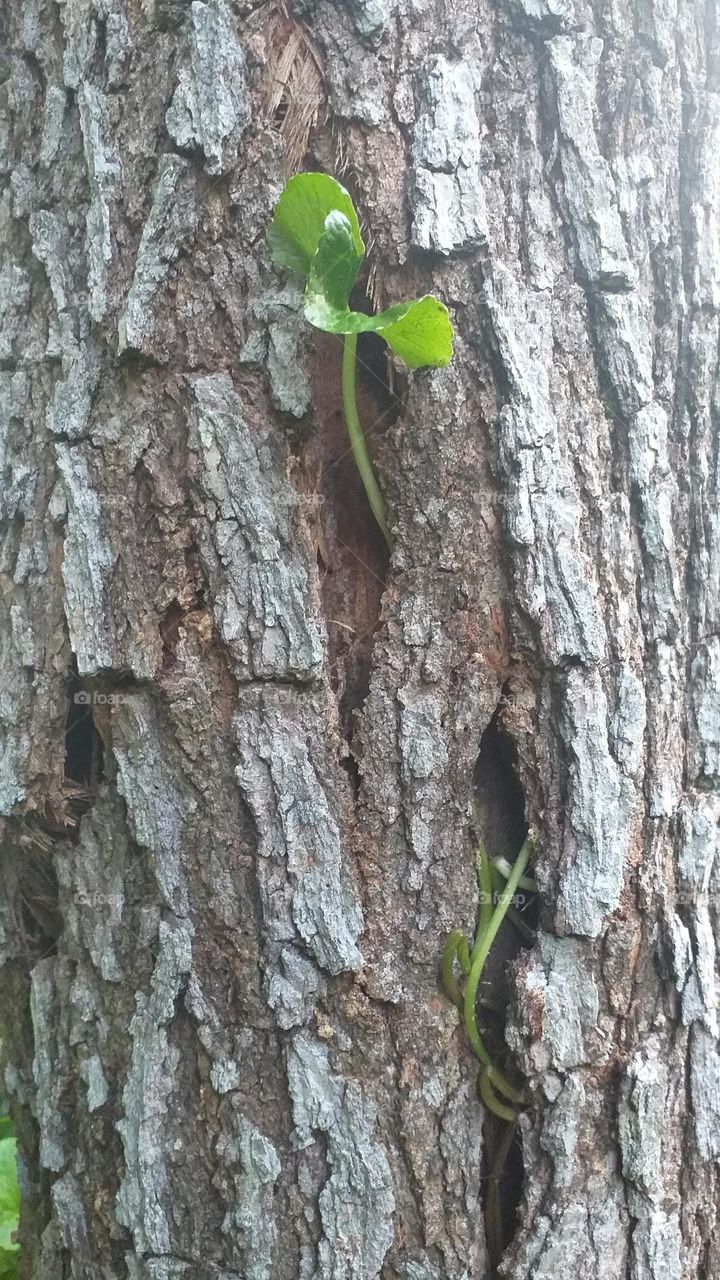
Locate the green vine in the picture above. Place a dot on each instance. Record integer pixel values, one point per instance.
(471, 962)
(498, 882)
(315, 233)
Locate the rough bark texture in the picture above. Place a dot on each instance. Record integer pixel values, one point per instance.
(228, 873)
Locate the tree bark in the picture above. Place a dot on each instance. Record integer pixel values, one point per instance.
(245, 753)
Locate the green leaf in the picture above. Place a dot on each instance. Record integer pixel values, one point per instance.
(419, 332)
(300, 216)
(335, 265)
(9, 1203)
(8, 1265)
(421, 335)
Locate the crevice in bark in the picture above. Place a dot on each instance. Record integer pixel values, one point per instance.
(83, 744)
(353, 558)
(29, 879)
(499, 797)
(500, 821)
(170, 15)
(171, 622)
(506, 1163)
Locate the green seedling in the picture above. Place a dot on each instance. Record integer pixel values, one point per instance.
(315, 233)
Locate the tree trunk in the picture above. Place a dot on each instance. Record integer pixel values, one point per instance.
(246, 753)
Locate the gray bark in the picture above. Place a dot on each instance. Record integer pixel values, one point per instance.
(224, 903)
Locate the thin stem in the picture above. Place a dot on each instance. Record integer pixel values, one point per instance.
(487, 1093)
(456, 948)
(525, 882)
(355, 434)
(479, 956)
(513, 916)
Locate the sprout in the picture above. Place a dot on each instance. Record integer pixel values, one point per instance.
(315, 232)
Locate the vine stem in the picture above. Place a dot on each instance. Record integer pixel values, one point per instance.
(355, 433)
(478, 958)
(492, 1102)
(513, 916)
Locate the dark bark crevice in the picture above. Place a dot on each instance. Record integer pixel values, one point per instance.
(501, 823)
(353, 556)
(83, 743)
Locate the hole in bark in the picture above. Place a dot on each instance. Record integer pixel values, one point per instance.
(83, 744)
(170, 15)
(100, 42)
(169, 627)
(499, 797)
(500, 819)
(510, 1173)
(173, 619)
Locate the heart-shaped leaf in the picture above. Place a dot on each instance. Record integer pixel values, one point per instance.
(299, 220)
(419, 332)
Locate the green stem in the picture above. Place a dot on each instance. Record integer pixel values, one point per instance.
(513, 916)
(525, 882)
(355, 433)
(456, 948)
(479, 956)
(487, 1093)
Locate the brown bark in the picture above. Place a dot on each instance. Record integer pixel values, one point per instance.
(243, 752)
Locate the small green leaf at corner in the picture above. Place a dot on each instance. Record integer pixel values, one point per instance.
(8, 1264)
(9, 1206)
(299, 220)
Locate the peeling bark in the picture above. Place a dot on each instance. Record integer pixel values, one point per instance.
(242, 754)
